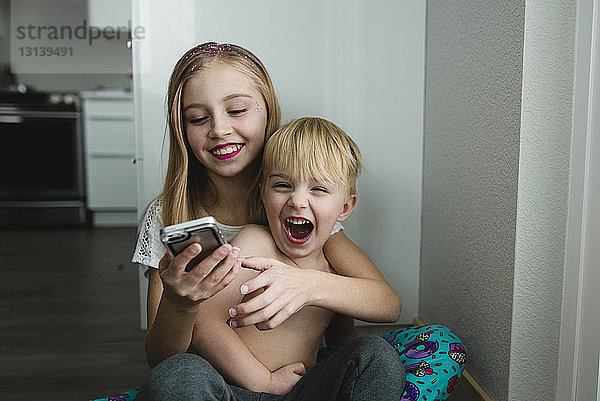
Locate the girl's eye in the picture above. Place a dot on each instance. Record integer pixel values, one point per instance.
(238, 111)
(321, 189)
(197, 121)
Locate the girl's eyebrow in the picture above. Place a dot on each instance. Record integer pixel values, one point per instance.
(192, 106)
(234, 95)
(226, 98)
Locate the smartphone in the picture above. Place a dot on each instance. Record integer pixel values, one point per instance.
(203, 231)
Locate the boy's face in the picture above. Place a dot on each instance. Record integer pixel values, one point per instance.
(301, 214)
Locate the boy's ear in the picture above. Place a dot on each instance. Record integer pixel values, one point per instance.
(348, 207)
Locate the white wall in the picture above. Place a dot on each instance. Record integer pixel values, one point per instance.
(494, 236)
(543, 204)
(579, 377)
(471, 145)
(588, 371)
(358, 64)
(588, 346)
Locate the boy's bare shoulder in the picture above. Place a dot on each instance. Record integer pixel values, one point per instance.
(255, 240)
(253, 232)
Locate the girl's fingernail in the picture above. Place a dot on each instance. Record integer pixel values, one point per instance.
(232, 312)
(196, 248)
(233, 324)
(235, 251)
(244, 289)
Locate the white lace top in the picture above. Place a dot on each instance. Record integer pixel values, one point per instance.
(149, 250)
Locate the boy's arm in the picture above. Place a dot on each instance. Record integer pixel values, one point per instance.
(220, 345)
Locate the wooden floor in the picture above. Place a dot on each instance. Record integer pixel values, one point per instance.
(69, 318)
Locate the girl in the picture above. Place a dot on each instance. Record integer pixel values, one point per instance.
(221, 110)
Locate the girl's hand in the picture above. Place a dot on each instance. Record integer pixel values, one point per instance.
(287, 290)
(187, 289)
(285, 378)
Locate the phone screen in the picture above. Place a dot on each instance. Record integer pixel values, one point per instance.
(208, 237)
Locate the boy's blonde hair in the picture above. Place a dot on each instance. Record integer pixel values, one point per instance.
(186, 178)
(313, 148)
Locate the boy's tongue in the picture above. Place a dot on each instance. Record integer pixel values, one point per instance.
(298, 231)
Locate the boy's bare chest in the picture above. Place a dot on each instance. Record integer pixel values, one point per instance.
(305, 321)
(297, 339)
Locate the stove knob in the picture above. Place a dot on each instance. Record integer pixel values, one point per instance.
(69, 99)
(56, 98)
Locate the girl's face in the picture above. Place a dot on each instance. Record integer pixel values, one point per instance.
(225, 118)
(302, 213)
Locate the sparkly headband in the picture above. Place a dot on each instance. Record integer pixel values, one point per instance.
(212, 49)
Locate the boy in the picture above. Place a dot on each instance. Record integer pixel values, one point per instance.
(308, 184)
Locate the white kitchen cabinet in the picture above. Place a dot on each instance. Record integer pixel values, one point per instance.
(109, 13)
(109, 145)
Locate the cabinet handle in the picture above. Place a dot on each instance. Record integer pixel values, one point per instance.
(11, 119)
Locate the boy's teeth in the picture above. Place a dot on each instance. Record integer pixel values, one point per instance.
(298, 221)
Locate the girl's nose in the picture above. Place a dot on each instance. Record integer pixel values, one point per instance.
(221, 127)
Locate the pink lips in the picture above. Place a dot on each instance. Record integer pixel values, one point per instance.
(219, 148)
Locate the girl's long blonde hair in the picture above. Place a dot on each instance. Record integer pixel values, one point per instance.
(186, 177)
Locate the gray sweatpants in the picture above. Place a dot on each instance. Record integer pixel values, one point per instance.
(366, 369)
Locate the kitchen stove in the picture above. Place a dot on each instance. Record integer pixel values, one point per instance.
(41, 160)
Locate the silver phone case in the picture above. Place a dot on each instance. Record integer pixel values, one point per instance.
(203, 231)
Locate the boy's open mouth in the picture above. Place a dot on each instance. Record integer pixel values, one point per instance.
(298, 229)
(226, 151)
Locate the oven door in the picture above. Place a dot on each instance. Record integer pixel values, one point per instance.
(41, 164)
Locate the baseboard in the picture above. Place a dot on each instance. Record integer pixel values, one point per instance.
(114, 219)
(471, 381)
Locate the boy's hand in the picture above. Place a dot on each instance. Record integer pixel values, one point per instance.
(211, 275)
(285, 378)
(287, 290)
